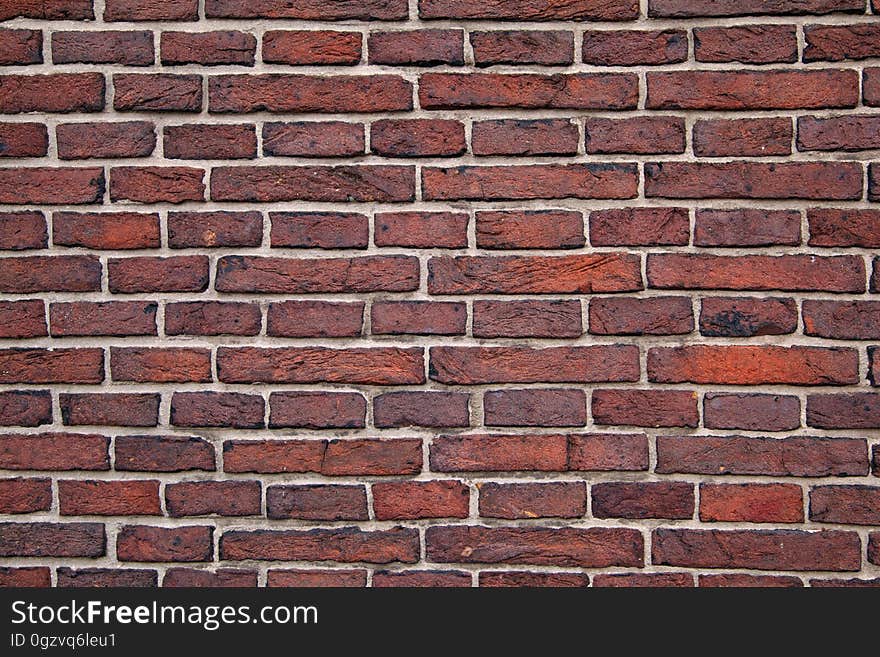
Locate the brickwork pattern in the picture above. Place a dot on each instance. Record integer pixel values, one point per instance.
(439, 292)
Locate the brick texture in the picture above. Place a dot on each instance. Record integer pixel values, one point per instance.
(439, 293)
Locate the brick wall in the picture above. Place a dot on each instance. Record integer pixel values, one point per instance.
(447, 292)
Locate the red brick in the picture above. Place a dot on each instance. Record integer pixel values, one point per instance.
(758, 550)
(370, 456)
(524, 579)
(56, 92)
(849, 505)
(754, 272)
(421, 409)
(151, 10)
(345, 545)
(142, 543)
(317, 502)
(530, 229)
(755, 90)
(317, 410)
(606, 272)
(499, 453)
(381, 10)
(645, 408)
(749, 581)
(208, 48)
(749, 44)
(874, 548)
(47, 9)
(846, 583)
(212, 318)
(323, 230)
(524, 137)
(597, 547)
(104, 47)
(147, 274)
(157, 92)
(119, 409)
(128, 497)
(50, 539)
(313, 139)
(103, 318)
(735, 228)
(596, 91)
(210, 142)
(413, 500)
(859, 410)
(373, 366)
(54, 451)
(585, 364)
(651, 316)
(874, 371)
(224, 498)
(697, 8)
(751, 503)
(312, 47)
(21, 46)
(417, 138)
(217, 409)
(160, 364)
(106, 230)
(51, 185)
(25, 495)
(337, 94)
(25, 408)
(640, 227)
(214, 229)
(834, 43)
(543, 47)
(315, 319)
(844, 227)
(647, 580)
(163, 454)
(871, 87)
(157, 184)
(316, 578)
(421, 230)
(779, 457)
(364, 183)
(751, 412)
(26, 577)
(22, 319)
(35, 365)
(23, 140)
(642, 135)
(418, 318)
(535, 407)
(753, 365)
(855, 132)
(417, 47)
(634, 48)
(222, 577)
(842, 320)
(642, 500)
(22, 230)
(746, 317)
(533, 500)
(755, 180)
(529, 10)
(423, 578)
(742, 137)
(604, 452)
(272, 456)
(350, 457)
(518, 319)
(106, 577)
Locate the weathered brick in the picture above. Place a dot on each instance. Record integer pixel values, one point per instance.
(25, 408)
(133, 48)
(640, 227)
(524, 137)
(645, 408)
(163, 454)
(209, 142)
(533, 500)
(745, 317)
(838, 227)
(312, 47)
(313, 139)
(54, 92)
(642, 500)
(418, 317)
(23, 140)
(421, 230)
(148, 274)
(119, 409)
(535, 407)
(62, 273)
(543, 47)
(778, 457)
(323, 319)
(421, 409)
(224, 498)
(317, 410)
(412, 500)
(752, 412)
(317, 502)
(417, 47)
(742, 137)
(157, 92)
(217, 409)
(859, 410)
(143, 543)
(776, 503)
(522, 319)
(208, 48)
(160, 364)
(749, 44)
(129, 497)
(214, 229)
(634, 47)
(650, 316)
(54, 451)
